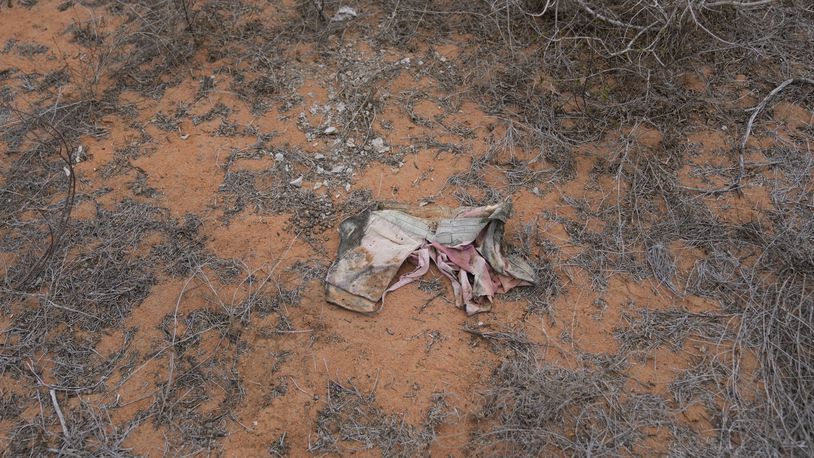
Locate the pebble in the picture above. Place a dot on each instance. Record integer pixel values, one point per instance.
(379, 146)
(319, 156)
(297, 183)
(344, 13)
(279, 157)
(330, 131)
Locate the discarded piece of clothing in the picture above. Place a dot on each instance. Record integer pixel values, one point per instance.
(464, 243)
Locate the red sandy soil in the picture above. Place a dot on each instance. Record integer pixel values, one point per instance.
(405, 352)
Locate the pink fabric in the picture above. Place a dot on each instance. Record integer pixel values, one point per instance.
(369, 260)
(421, 257)
(473, 280)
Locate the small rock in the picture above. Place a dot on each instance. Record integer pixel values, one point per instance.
(349, 143)
(279, 157)
(319, 156)
(338, 169)
(344, 13)
(536, 191)
(379, 146)
(297, 183)
(320, 170)
(347, 187)
(330, 131)
(405, 61)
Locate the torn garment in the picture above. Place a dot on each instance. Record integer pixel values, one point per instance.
(464, 243)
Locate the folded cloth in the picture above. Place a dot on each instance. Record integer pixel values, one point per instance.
(464, 243)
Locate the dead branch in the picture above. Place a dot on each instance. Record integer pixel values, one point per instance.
(61, 417)
(756, 111)
(607, 19)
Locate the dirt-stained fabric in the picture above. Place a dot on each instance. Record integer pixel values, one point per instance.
(464, 243)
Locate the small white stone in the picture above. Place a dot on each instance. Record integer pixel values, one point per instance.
(379, 146)
(319, 156)
(297, 183)
(343, 14)
(330, 131)
(279, 157)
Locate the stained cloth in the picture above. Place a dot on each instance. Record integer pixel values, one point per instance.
(464, 243)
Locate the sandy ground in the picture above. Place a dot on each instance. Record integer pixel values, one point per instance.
(281, 362)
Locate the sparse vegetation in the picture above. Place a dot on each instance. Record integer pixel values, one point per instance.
(173, 174)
